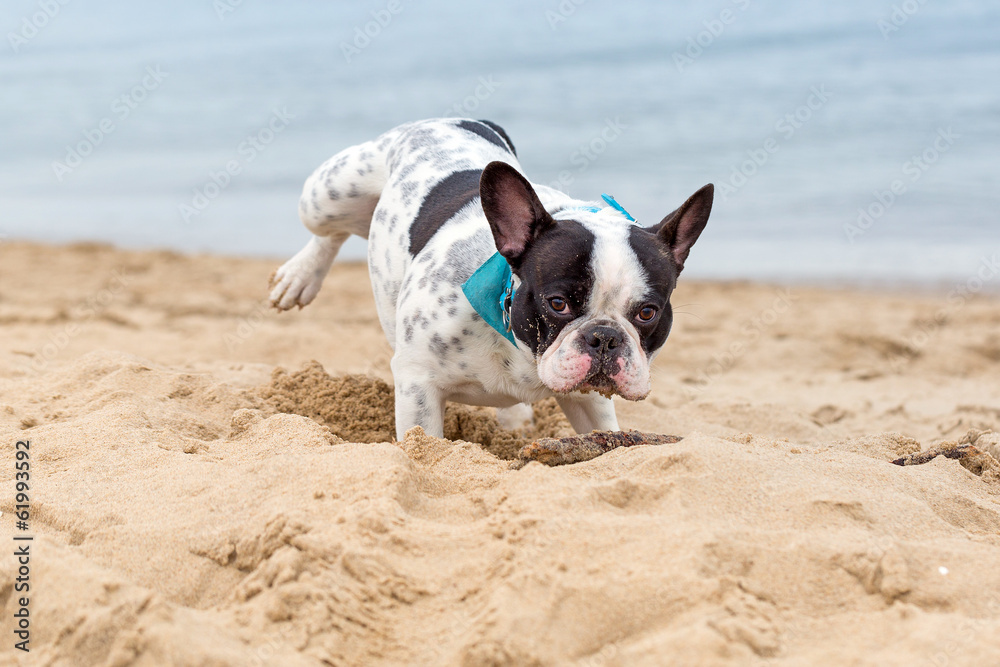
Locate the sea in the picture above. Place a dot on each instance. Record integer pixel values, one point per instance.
(849, 142)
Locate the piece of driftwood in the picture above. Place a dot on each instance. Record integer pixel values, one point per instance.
(960, 452)
(577, 448)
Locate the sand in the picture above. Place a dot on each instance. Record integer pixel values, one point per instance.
(214, 483)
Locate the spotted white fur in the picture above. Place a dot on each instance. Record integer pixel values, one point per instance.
(442, 349)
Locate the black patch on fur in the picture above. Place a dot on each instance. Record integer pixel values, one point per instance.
(490, 132)
(556, 263)
(499, 130)
(661, 273)
(443, 201)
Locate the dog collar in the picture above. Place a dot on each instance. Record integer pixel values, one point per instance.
(490, 290)
(610, 201)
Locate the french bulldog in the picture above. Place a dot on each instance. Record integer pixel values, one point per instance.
(490, 290)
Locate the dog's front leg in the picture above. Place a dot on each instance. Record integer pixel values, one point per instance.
(418, 403)
(589, 412)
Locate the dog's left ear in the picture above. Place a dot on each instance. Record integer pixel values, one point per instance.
(515, 213)
(680, 229)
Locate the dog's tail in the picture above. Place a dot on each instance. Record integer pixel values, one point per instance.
(339, 198)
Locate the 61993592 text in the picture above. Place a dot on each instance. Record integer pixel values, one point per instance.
(22, 544)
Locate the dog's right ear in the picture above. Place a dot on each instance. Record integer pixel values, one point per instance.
(515, 213)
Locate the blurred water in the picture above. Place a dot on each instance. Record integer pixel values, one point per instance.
(555, 75)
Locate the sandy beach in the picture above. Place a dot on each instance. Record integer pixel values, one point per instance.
(216, 483)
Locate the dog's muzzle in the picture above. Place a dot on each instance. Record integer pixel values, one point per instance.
(604, 345)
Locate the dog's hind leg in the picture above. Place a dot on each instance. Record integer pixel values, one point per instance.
(337, 201)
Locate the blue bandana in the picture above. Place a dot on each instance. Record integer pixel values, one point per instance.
(610, 202)
(490, 289)
(615, 205)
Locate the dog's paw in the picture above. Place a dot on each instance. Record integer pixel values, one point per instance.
(299, 279)
(516, 417)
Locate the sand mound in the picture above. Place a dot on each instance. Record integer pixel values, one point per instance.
(360, 409)
(354, 407)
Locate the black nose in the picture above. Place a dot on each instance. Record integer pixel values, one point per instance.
(603, 338)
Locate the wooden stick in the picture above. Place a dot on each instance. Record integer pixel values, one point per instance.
(960, 452)
(577, 448)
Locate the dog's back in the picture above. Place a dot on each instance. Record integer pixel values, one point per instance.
(397, 191)
(429, 212)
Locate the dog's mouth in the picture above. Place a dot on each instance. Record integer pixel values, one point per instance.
(606, 385)
(602, 384)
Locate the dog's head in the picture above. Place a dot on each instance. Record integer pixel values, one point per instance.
(593, 303)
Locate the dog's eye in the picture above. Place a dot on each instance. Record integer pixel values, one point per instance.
(646, 313)
(559, 305)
